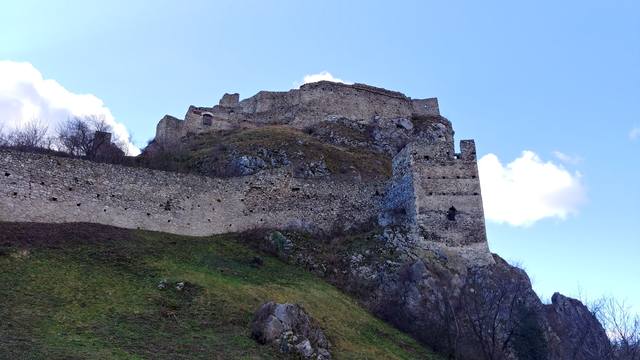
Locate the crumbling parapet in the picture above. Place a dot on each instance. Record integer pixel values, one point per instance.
(435, 196)
(169, 130)
(426, 107)
(229, 100)
(301, 108)
(467, 150)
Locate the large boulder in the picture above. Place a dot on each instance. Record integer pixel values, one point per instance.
(290, 329)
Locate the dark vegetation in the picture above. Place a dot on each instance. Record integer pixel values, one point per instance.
(83, 291)
(81, 137)
(622, 325)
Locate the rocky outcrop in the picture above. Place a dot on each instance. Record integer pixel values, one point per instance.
(291, 330)
(477, 312)
(580, 334)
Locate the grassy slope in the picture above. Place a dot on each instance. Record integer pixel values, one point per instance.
(209, 153)
(81, 291)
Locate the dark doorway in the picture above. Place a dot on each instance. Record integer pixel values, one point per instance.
(451, 214)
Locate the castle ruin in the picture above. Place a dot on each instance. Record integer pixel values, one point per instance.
(433, 194)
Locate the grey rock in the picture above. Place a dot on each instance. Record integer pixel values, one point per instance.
(580, 335)
(312, 169)
(279, 244)
(405, 123)
(305, 349)
(162, 284)
(247, 165)
(289, 328)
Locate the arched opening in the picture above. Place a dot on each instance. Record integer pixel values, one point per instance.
(207, 119)
(451, 214)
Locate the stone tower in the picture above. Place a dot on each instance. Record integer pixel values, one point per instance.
(435, 197)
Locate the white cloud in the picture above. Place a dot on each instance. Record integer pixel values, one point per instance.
(634, 134)
(527, 190)
(323, 75)
(26, 96)
(567, 159)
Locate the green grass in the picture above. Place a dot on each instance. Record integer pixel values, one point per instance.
(81, 291)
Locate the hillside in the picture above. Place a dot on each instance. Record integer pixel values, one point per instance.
(330, 149)
(364, 188)
(85, 291)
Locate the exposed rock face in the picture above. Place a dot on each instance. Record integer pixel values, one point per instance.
(247, 165)
(291, 329)
(581, 335)
(477, 312)
(428, 270)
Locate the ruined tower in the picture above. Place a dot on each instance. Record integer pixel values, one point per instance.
(435, 197)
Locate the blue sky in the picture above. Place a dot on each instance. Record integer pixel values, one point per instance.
(559, 79)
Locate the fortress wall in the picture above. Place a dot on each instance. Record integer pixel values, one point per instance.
(323, 99)
(450, 215)
(41, 188)
(426, 107)
(449, 203)
(312, 103)
(445, 192)
(169, 129)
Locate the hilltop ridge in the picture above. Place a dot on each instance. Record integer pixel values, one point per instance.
(361, 185)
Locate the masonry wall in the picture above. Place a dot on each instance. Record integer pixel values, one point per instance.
(438, 195)
(41, 188)
(303, 107)
(449, 203)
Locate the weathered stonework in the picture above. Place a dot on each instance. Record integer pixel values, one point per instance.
(299, 108)
(433, 195)
(41, 188)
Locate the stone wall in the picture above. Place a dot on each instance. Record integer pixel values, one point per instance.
(41, 188)
(299, 108)
(435, 195)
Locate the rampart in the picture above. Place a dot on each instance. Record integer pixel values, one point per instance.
(299, 108)
(41, 188)
(433, 195)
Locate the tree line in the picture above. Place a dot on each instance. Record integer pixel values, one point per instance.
(84, 137)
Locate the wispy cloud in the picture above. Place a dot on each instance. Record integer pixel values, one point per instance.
(25, 95)
(634, 134)
(323, 75)
(568, 159)
(528, 189)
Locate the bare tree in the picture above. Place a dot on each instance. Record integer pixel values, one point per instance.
(622, 326)
(30, 137)
(500, 323)
(86, 137)
(3, 137)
